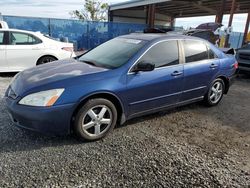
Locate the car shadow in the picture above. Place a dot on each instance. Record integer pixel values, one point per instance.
(17, 139)
(162, 113)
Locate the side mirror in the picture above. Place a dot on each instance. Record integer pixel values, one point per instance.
(144, 66)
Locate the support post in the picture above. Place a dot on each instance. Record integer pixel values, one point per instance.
(111, 16)
(230, 21)
(246, 28)
(151, 16)
(172, 22)
(220, 13)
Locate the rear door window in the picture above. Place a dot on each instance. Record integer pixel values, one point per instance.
(211, 54)
(195, 51)
(163, 54)
(17, 38)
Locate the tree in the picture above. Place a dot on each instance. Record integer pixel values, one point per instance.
(94, 10)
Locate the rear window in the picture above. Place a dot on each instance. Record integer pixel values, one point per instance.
(195, 51)
(17, 38)
(49, 37)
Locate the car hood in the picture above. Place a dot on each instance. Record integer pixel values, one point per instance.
(51, 73)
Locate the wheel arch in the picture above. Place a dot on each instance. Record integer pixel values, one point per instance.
(105, 95)
(50, 55)
(226, 82)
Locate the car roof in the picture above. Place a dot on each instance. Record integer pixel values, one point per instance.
(158, 36)
(19, 30)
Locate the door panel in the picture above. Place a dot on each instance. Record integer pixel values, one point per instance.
(3, 63)
(23, 51)
(160, 87)
(197, 77)
(155, 89)
(200, 69)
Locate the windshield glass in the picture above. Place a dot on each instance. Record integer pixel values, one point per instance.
(114, 53)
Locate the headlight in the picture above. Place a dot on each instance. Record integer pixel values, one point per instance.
(43, 98)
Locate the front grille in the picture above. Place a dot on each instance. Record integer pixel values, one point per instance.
(244, 56)
(244, 65)
(11, 94)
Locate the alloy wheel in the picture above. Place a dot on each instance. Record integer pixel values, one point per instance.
(97, 120)
(216, 92)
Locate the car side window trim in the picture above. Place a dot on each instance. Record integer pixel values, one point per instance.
(39, 41)
(208, 48)
(179, 54)
(184, 54)
(5, 37)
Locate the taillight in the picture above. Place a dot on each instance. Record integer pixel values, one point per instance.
(236, 65)
(69, 49)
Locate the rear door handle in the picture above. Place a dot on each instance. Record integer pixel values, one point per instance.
(213, 66)
(176, 73)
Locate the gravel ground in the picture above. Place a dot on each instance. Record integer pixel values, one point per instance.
(191, 146)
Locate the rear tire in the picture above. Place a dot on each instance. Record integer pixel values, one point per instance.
(95, 119)
(215, 93)
(45, 59)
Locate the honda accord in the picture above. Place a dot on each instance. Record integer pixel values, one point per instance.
(126, 77)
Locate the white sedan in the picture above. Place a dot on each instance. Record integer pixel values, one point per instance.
(20, 50)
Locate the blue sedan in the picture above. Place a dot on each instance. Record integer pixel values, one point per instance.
(126, 77)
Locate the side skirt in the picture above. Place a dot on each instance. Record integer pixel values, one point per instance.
(165, 107)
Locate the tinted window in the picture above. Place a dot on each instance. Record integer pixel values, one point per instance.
(1, 37)
(23, 39)
(211, 54)
(163, 54)
(195, 51)
(114, 53)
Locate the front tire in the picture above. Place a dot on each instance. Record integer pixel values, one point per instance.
(95, 119)
(215, 92)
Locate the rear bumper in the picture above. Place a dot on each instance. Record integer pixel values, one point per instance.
(232, 78)
(53, 120)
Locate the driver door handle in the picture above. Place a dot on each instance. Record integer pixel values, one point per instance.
(177, 73)
(213, 66)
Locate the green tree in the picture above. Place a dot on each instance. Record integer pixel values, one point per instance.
(93, 10)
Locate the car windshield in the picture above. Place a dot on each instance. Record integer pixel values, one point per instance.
(114, 53)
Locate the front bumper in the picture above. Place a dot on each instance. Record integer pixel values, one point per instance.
(244, 68)
(54, 120)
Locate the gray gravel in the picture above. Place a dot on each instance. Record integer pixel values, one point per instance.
(188, 146)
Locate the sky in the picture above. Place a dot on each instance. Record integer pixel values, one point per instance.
(61, 9)
(43, 8)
